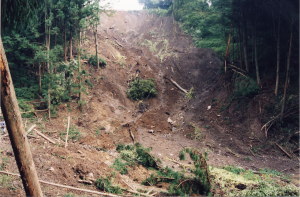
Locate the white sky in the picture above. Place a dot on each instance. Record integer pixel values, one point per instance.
(123, 4)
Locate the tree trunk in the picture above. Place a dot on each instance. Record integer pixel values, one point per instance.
(65, 45)
(256, 59)
(240, 47)
(71, 47)
(40, 79)
(16, 131)
(49, 70)
(245, 48)
(96, 45)
(286, 75)
(278, 58)
(79, 68)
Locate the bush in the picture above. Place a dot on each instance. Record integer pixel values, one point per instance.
(245, 87)
(104, 184)
(93, 61)
(141, 89)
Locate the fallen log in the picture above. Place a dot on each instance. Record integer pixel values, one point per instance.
(66, 186)
(177, 85)
(284, 151)
(44, 136)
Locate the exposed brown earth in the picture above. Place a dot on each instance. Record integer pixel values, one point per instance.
(131, 41)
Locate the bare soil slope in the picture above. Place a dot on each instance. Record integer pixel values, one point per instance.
(157, 48)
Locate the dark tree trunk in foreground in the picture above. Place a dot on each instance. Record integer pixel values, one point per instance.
(16, 130)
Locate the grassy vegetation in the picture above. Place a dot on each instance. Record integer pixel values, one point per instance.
(131, 155)
(105, 184)
(236, 181)
(74, 134)
(141, 89)
(181, 184)
(190, 94)
(93, 61)
(6, 181)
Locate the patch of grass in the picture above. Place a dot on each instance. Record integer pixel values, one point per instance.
(267, 189)
(234, 169)
(120, 166)
(178, 183)
(245, 87)
(190, 94)
(197, 132)
(159, 11)
(74, 134)
(69, 195)
(93, 61)
(137, 154)
(182, 155)
(4, 162)
(5, 181)
(105, 184)
(141, 89)
(263, 183)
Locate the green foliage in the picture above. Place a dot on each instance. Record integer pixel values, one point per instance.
(74, 134)
(156, 4)
(4, 162)
(120, 166)
(28, 93)
(93, 61)
(5, 181)
(144, 158)
(235, 170)
(104, 184)
(265, 182)
(159, 12)
(135, 154)
(141, 89)
(182, 155)
(208, 25)
(266, 189)
(26, 107)
(190, 94)
(24, 38)
(182, 185)
(121, 147)
(245, 87)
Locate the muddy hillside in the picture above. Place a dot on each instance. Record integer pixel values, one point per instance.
(139, 44)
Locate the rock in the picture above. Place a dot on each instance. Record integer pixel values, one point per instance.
(151, 131)
(171, 121)
(51, 169)
(90, 176)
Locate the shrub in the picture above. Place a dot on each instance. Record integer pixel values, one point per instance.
(93, 61)
(134, 154)
(104, 184)
(141, 89)
(26, 107)
(245, 87)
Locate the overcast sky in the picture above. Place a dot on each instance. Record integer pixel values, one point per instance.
(123, 4)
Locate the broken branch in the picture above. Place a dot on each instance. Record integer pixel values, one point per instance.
(177, 85)
(282, 149)
(44, 136)
(66, 186)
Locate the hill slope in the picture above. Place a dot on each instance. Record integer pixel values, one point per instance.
(137, 43)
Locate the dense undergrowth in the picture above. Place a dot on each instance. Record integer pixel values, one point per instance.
(198, 178)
